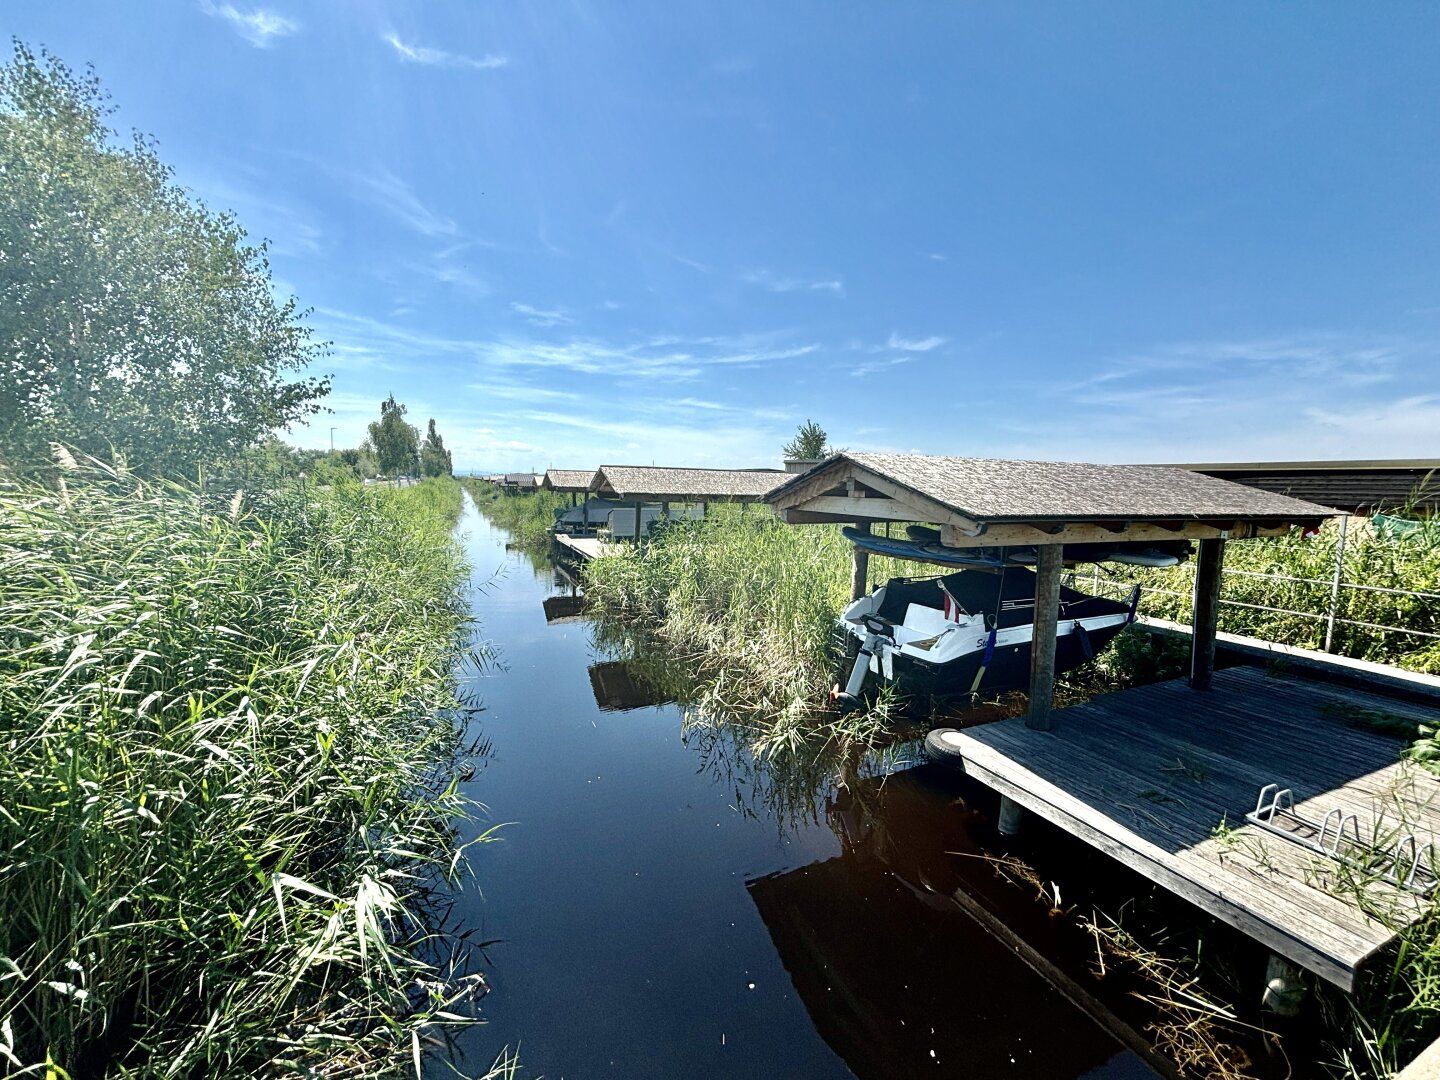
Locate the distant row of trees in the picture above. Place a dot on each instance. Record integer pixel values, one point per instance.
(134, 322)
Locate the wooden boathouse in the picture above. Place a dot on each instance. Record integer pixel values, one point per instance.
(1162, 777)
(1356, 487)
(642, 484)
(633, 496)
(572, 482)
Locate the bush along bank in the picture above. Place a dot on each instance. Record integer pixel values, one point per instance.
(226, 773)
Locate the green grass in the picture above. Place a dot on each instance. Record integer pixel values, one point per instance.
(527, 518)
(226, 774)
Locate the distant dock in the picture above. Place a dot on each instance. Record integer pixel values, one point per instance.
(583, 548)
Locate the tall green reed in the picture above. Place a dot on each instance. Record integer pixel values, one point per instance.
(526, 517)
(748, 602)
(226, 774)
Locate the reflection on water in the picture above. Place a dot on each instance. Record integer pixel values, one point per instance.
(620, 686)
(667, 905)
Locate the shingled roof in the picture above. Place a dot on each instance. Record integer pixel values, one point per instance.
(567, 479)
(659, 483)
(998, 491)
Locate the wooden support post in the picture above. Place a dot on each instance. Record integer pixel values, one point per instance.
(860, 569)
(1011, 814)
(637, 522)
(664, 510)
(1205, 611)
(1284, 991)
(1049, 563)
(572, 498)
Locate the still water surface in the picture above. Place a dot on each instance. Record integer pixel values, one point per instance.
(661, 908)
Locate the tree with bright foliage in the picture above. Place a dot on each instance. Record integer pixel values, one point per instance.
(396, 442)
(134, 322)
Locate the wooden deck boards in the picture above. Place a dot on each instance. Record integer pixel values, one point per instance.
(587, 547)
(1148, 774)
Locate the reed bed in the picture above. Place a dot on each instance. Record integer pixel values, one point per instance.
(748, 603)
(527, 518)
(1372, 557)
(226, 775)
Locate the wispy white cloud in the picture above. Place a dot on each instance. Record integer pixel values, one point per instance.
(391, 193)
(1312, 395)
(412, 53)
(768, 280)
(659, 357)
(511, 391)
(541, 316)
(758, 412)
(693, 264)
(905, 344)
(1412, 421)
(874, 367)
(259, 26)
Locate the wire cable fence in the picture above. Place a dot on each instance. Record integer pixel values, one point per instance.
(1353, 590)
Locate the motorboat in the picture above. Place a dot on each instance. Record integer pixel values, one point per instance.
(967, 632)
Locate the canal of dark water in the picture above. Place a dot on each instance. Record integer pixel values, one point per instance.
(662, 905)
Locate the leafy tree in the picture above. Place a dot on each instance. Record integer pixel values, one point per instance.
(134, 322)
(810, 443)
(396, 442)
(434, 458)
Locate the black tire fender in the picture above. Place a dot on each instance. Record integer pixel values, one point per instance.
(943, 747)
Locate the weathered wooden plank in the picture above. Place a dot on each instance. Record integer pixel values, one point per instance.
(851, 508)
(1055, 806)
(1091, 774)
(1185, 830)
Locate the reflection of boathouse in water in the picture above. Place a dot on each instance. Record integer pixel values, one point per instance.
(903, 974)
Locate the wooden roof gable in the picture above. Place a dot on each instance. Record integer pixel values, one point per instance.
(987, 501)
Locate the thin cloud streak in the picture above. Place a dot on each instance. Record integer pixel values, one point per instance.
(259, 26)
(767, 280)
(432, 57)
(540, 316)
(391, 193)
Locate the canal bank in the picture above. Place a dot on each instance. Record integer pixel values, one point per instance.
(636, 925)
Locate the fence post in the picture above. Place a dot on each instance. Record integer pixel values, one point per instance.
(1335, 582)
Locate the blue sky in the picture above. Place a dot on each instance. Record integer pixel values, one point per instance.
(583, 233)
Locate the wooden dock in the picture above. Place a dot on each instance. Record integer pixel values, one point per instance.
(1148, 774)
(583, 547)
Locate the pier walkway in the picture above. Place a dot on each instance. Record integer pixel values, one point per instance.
(1161, 777)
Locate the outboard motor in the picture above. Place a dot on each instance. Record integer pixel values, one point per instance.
(878, 629)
